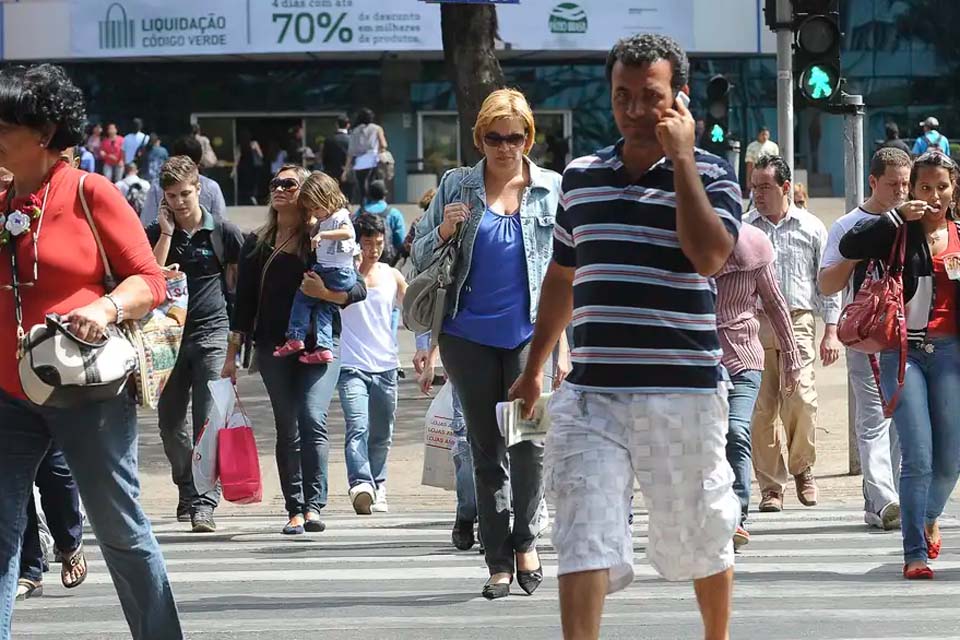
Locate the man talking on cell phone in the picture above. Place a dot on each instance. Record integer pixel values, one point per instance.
(207, 250)
(641, 227)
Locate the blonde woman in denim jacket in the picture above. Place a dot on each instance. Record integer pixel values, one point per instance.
(508, 205)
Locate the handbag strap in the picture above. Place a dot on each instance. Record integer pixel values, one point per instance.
(263, 279)
(109, 281)
(440, 303)
(895, 271)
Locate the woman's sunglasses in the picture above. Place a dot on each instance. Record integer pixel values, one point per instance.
(283, 184)
(513, 140)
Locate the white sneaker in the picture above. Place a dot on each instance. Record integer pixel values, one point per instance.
(380, 504)
(362, 497)
(888, 519)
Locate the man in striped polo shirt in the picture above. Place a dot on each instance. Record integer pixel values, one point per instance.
(641, 227)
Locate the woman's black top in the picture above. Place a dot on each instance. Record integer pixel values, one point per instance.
(266, 317)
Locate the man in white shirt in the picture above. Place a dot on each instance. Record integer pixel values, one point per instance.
(131, 176)
(876, 440)
(798, 239)
(763, 145)
(132, 142)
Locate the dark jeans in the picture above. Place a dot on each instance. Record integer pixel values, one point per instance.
(363, 178)
(482, 376)
(307, 311)
(200, 360)
(300, 395)
(61, 506)
(746, 386)
(99, 442)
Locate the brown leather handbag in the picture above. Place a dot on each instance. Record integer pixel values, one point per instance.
(876, 320)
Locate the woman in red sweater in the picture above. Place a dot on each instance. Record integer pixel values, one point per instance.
(60, 271)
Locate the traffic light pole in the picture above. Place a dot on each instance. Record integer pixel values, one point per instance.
(853, 108)
(785, 81)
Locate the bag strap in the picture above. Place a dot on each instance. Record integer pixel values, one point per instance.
(109, 281)
(440, 303)
(895, 271)
(263, 280)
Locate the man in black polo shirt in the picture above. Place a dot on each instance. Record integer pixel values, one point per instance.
(207, 250)
(641, 228)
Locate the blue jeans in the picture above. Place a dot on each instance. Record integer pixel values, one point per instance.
(300, 395)
(61, 506)
(927, 419)
(463, 463)
(99, 442)
(319, 313)
(369, 402)
(746, 386)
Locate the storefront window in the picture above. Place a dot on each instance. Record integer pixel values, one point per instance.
(439, 144)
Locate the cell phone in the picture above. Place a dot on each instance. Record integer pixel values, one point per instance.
(683, 99)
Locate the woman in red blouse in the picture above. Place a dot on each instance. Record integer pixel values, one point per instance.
(60, 270)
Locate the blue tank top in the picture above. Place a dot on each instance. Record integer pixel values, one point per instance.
(495, 300)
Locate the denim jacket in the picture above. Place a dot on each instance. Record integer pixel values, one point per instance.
(538, 210)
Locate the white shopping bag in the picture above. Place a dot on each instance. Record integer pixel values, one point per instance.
(438, 440)
(205, 451)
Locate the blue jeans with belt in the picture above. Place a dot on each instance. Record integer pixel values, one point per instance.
(742, 398)
(927, 419)
(61, 506)
(369, 402)
(300, 395)
(99, 442)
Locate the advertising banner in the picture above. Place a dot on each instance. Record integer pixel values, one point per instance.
(127, 28)
(110, 28)
(592, 25)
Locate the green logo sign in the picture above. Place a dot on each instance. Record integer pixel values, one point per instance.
(568, 17)
(116, 31)
(716, 133)
(819, 83)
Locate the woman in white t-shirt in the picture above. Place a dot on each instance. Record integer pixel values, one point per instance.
(368, 373)
(367, 142)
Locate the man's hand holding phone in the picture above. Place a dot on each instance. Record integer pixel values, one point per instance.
(676, 131)
(165, 218)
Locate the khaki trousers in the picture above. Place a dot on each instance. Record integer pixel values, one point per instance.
(791, 445)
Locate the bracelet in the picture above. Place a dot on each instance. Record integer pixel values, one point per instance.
(169, 235)
(117, 306)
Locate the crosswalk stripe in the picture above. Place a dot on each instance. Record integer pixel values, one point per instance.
(397, 576)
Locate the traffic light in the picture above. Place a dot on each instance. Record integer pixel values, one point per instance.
(716, 131)
(816, 51)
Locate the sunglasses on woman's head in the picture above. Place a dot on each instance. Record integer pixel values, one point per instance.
(512, 140)
(283, 184)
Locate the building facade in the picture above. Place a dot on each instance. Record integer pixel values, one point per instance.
(263, 69)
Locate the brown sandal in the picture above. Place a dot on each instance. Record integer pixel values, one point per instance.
(28, 589)
(73, 560)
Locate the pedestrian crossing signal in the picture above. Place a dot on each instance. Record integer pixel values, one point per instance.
(717, 134)
(816, 59)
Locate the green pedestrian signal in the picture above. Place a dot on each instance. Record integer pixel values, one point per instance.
(819, 82)
(717, 134)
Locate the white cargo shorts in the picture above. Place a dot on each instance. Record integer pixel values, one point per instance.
(675, 446)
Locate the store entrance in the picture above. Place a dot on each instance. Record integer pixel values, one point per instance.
(243, 169)
(263, 145)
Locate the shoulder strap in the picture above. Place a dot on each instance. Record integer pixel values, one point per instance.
(108, 279)
(216, 239)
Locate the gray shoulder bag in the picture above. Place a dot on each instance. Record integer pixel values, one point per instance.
(425, 302)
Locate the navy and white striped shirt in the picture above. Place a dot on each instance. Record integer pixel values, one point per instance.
(643, 318)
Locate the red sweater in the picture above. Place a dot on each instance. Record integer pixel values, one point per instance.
(111, 150)
(70, 270)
